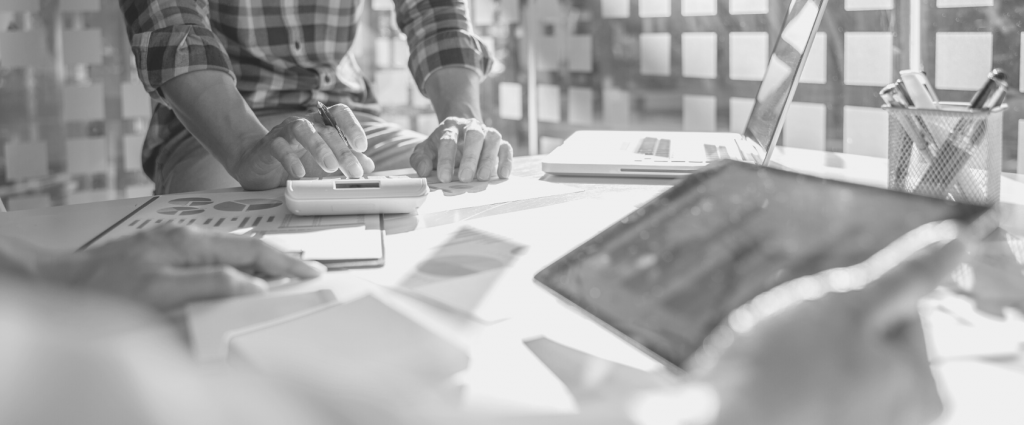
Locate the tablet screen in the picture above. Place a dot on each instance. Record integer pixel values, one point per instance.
(666, 275)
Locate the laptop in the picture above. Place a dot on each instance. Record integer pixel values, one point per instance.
(666, 276)
(670, 154)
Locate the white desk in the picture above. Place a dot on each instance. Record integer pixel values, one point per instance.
(978, 390)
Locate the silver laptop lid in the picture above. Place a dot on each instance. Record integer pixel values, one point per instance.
(784, 68)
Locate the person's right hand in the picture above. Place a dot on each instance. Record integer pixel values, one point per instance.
(848, 358)
(170, 266)
(302, 146)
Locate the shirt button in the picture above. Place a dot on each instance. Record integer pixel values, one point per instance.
(326, 78)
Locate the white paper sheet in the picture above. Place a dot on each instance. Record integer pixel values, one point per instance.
(364, 342)
(210, 322)
(357, 241)
(458, 195)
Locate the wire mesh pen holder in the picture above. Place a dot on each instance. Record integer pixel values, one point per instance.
(953, 153)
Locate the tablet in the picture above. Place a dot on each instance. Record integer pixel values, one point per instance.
(665, 276)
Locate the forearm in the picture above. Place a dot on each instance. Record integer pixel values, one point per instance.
(213, 111)
(455, 92)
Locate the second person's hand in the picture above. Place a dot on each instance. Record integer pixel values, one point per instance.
(477, 150)
(303, 146)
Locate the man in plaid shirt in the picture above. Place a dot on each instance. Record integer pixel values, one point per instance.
(237, 83)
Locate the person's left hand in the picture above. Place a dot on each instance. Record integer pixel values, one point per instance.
(476, 149)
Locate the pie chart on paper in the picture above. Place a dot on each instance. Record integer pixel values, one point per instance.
(191, 202)
(180, 211)
(244, 205)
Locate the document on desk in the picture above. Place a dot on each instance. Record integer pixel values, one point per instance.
(458, 195)
(339, 241)
(485, 268)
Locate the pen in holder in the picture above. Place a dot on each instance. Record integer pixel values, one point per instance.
(952, 153)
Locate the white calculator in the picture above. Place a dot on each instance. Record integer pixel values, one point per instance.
(341, 196)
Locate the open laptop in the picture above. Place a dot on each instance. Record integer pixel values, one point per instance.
(670, 154)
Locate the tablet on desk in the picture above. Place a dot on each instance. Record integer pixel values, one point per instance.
(667, 275)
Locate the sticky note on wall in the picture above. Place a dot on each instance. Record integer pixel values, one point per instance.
(83, 47)
(615, 8)
(510, 101)
(132, 152)
(135, 101)
(549, 103)
(483, 12)
(581, 106)
(19, 5)
(699, 113)
(868, 59)
(616, 107)
(748, 55)
(25, 49)
(87, 156)
(654, 8)
(865, 131)
(748, 7)
(700, 54)
(26, 160)
(79, 5)
(816, 67)
(699, 7)
(509, 11)
(963, 3)
(655, 54)
(84, 103)
(962, 59)
(580, 52)
(805, 126)
(858, 5)
(739, 113)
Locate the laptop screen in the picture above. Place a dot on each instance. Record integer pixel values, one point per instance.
(784, 67)
(668, 274)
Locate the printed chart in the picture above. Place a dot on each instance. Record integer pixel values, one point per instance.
(236, 212)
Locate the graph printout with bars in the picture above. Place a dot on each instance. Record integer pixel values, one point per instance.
(235, 212)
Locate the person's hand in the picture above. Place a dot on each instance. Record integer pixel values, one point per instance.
(170, 266)
(476, 149)
(997, 267)
(847, 358)
(303, 146)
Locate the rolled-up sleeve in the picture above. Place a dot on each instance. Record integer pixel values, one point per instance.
(440, 35)
(171, 38)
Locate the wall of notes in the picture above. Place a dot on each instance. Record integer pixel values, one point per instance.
(73, 115)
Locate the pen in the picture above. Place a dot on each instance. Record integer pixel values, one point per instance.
(328, 119)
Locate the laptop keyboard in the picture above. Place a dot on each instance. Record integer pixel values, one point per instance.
(662, 148)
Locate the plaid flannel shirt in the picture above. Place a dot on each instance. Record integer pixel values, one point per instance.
(283, 53)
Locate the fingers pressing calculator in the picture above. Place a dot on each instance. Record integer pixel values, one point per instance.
(341, 196)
